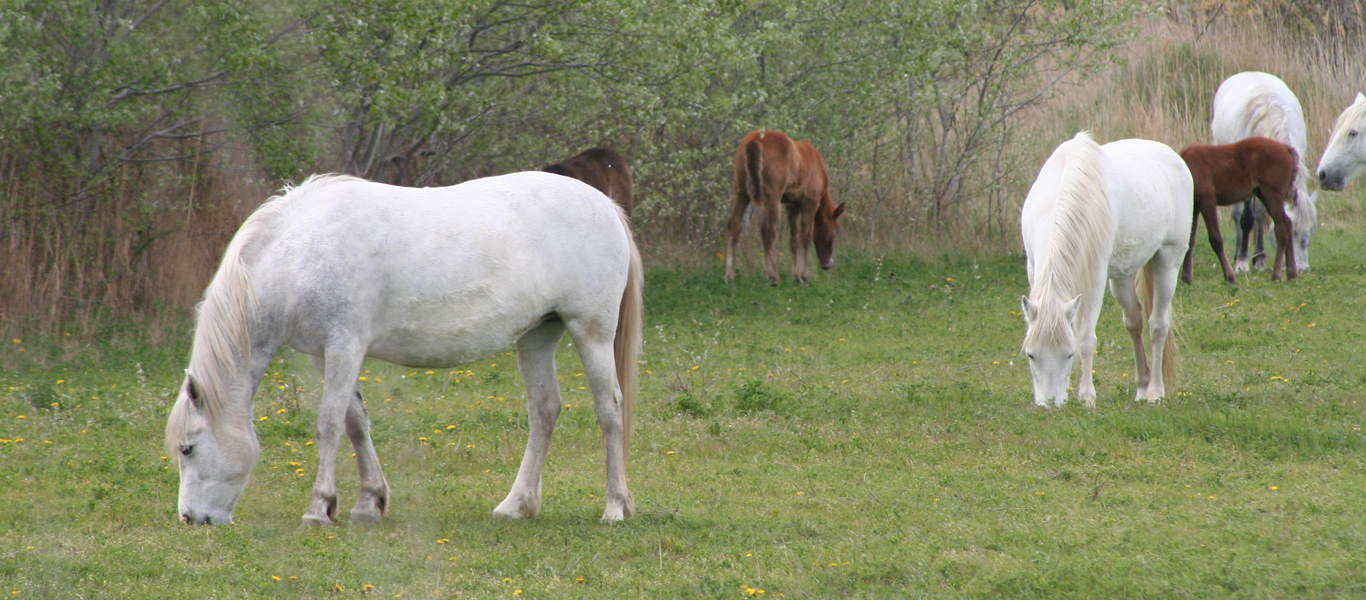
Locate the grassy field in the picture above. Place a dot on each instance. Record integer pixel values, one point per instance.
(871, 436)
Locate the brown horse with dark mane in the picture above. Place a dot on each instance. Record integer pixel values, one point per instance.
(1229, 174)
(603, 169)
(773, 169)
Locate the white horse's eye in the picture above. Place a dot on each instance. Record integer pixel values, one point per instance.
(1352, 133)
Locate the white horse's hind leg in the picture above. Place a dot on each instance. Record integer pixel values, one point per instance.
(536, 360)
(339, 387)
(1159, 325)
(374, 490)
(1122, 289)
(599, 364)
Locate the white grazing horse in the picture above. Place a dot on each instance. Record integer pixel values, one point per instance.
(1250, 104)
(1345, 156)
(342, 269)
(1099, 213)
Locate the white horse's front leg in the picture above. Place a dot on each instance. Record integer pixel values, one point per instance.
(373, 502)
(1086, 342)
(536, 361)
(339, 386)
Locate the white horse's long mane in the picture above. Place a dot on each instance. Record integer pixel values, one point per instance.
(222, 338)
(1080, 240)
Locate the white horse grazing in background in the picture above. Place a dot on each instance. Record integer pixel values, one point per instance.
(1100, 213)
(1250, 104)
(1345, 156)
(342, 269)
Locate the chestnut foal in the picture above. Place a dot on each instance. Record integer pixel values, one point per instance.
(1229, 174)
(773, 169)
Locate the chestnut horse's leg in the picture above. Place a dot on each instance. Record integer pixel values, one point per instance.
(800, 221)
(768, 232)
(1242, 228)
(1210, 211)
(735, 227)
(1259, 229)
(1187, 265)
(1285, 246)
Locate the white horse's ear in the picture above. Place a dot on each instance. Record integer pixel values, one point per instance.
(1069, 310)
(1029, 309)
(193, 391)
(1360, 98)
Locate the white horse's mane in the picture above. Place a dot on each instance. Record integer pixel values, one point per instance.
(222, 338)
(1351, 115)
(1080, 239)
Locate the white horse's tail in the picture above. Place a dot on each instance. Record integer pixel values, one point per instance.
(1171, 354)
(629, 335)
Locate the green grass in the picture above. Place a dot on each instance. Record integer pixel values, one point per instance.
(871, 436)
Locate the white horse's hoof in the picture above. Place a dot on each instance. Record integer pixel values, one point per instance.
(517, 508)
(1240, 266)
(323, 511)
(365, 516)
(316, 521)
(619, 509)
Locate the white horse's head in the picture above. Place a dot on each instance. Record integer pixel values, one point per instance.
(1050, 344)
(1345, 156)
(216, 457)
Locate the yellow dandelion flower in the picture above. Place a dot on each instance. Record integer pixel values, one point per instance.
(1274, 488)
(264, 418)
(362, 378)
(275, 577)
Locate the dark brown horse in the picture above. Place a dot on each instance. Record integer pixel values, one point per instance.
(603, 169)
(1227, 175)
(773, 169)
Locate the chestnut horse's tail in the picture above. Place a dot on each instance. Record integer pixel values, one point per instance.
(1171, 354)
(629, 335)
(754, 171)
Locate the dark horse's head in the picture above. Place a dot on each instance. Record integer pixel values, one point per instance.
(826, 226)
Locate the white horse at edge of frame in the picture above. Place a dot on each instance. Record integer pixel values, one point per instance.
(1344, 157)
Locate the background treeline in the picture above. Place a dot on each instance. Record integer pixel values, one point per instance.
(135, 135)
